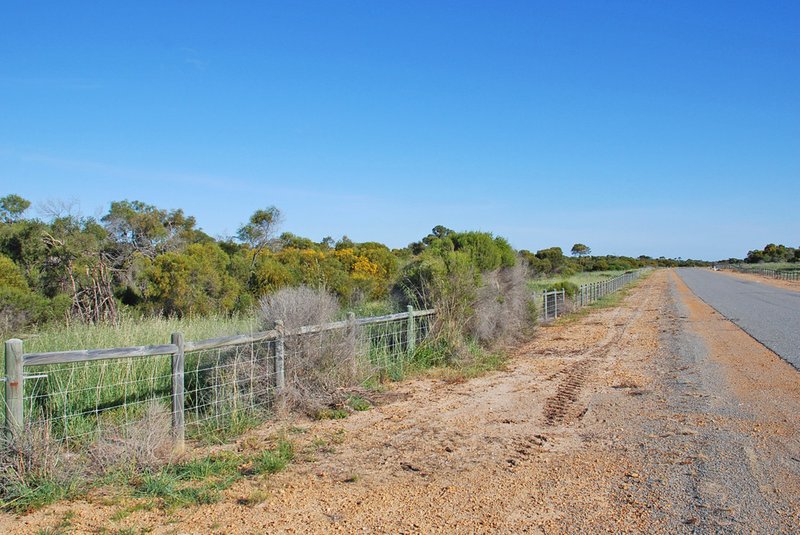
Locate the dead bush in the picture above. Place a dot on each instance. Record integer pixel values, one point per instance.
(298, 307)
(319, 367)
(144, 443)
(504, 310)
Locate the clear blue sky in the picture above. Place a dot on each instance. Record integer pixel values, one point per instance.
(660, 128)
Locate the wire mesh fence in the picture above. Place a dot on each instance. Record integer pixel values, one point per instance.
(78, 401)
(390, 345)
(201, 388)
(229, 386)
(780, 274)
(556, 303)
(553, 304)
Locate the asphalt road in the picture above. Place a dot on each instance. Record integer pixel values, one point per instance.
(770, 315)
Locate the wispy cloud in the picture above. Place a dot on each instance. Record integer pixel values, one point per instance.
(245, 186)
(192, 57)
(43, 82)
(130, 174)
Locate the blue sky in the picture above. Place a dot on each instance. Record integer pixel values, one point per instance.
(660, 128)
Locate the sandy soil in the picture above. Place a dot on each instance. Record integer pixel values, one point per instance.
(787, 285)
(655, 416)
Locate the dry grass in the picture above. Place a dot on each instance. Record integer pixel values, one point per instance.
(143, 444)
(36, 470)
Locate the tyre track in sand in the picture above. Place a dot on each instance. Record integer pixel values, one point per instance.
(558, 407)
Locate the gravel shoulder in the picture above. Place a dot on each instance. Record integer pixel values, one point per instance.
(655, 416)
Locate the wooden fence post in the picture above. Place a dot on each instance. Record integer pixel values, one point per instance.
(411, 331)
(178, 365)
(280, 373)
(14, 387)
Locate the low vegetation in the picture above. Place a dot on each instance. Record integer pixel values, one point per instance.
(51, 475)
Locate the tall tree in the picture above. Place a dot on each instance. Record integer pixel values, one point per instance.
(580, 250)
(78, 265)
(259, 231)
(12, 208)
(142, 228)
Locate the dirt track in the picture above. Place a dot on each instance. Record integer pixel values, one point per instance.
(655, 416)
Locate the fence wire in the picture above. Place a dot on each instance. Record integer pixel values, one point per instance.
(388, 347)
(228, 386)
(77, 402)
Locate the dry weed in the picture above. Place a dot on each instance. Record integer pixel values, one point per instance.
(319, 367)
(144, 443)
(503, 308)
(33, 457)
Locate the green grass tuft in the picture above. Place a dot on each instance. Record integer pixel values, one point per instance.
(273, 461)
(256, 497)
(220, 464)
(357, 403)
(156, 485)
(202, 481)
(331, 414)
(34, 493)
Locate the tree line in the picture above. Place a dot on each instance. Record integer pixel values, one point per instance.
(773, 253)
(149, 260)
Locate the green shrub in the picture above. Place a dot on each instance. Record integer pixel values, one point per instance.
(20, 308)
(192, 282)
(570, 288)
(10, 275)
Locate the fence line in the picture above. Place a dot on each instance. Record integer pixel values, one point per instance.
(780, 274)
(556, 303)
(207, 385)
(78, 396)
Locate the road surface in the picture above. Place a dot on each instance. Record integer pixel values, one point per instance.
(770, 315)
